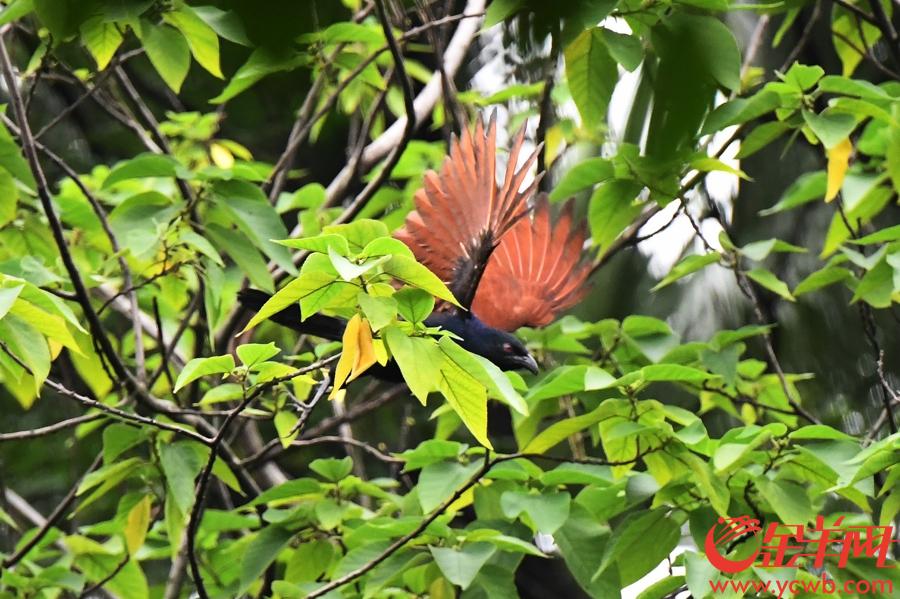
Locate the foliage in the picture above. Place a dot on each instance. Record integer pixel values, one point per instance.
(118, 285)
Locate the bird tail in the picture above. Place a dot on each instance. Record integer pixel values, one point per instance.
(318, 325)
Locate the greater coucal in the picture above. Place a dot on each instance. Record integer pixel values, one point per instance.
(498, 251)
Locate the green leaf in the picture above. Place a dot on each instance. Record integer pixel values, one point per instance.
(500, 10)
(414, 305)
(243, 253)
(201, 38)
(410, 272)
(379, 311)
(262, 62)
(582, 542)
(181, 463)
(562, 430)
(349, 270)
(669, 585)
(883, 236)
(787, 499)
(101, 38)
(760, 250)
(462, 389)
(808, 187)
(583, 175)
(592, 76)
(8, 297)
(830, 127)
(634, 551)
(119, 438)
(168, 51)
(430, 452)
(251, 212)
(673, 373)
(548, 510)
(687, 266)
(419, 360)
(199, 367)
(461, 566)
(820, 431)
(611, 209)
(140, 167)
(771, 282)
(822, 278)
(761, 137)
(437, 482)
(260, 553)
(877, 286)
(292, 489)
(16, 9)
(626, 49)
(320, 243)
(332, 470)
(251, 354)
(226, 23)
(311, 289)
(9, 197)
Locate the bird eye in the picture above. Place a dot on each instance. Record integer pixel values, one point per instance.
(507, 347)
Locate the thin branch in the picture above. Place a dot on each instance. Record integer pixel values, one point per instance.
(215, 444)
(49, 429)
(55, 516)
(301, 131)
(402, 541)
(273, 448)
(372, 451)
(59, 238)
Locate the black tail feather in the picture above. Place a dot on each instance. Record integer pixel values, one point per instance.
(318, 325)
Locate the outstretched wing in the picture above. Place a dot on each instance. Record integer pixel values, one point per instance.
(462, 213)
(536, 272)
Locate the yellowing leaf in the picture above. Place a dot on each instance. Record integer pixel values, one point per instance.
(136, 525)
(221, 156)
(357, 355)
(838, 162)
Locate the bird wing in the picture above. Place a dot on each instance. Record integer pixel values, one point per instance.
(536, 272)
(462, 213)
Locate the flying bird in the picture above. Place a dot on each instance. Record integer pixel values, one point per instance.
(495, 245)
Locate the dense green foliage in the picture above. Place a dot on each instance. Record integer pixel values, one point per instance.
(209, 452)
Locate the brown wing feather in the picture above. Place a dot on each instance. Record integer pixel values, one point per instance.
(462, 213)
(536, 272)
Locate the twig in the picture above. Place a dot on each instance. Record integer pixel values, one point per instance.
(746, 287)
(402, 541)
(374, 452)
(273, 448)
(55, 226)
(87, 592)
(58, 512)
(215, 444)
(49, 429)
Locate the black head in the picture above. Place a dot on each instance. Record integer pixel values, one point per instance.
(502, 348)
(512, 354)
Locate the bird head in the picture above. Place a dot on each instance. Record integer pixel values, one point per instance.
(505, 350)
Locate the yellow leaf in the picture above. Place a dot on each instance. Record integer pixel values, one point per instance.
(838, 162)
(365, 355)
(137, 524)
(348, 355)
(221, 156)
(381, 353)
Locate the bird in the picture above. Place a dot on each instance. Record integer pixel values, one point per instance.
(495, 244)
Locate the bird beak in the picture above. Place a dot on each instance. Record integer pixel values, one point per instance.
(528, 363)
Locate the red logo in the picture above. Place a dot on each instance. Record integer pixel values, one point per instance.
(720, 537)
(783, 545)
